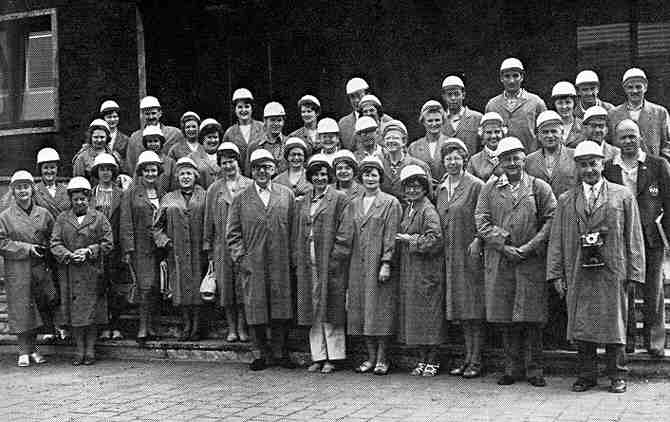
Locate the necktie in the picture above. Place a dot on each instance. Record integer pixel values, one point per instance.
(592, 198)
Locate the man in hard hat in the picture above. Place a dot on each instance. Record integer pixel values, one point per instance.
(648, 178)
(513, 215)
(274, 118)
(518, 107)
(588, 88)
(564, 97)
(151, 116)
(652, 118)
(367, 139)
(356, 89)
(462, 122)
(259, 237)
(595, 129)
(596, 249)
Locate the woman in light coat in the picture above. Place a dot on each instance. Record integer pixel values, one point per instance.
(294, 177)
(206, 159)
(190, 127)
(345, 167)
(246, 130)
(98, 137)
(310, 109)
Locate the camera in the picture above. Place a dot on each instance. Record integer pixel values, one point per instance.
(592, 253)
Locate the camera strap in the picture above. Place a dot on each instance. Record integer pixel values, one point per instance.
(583, 226)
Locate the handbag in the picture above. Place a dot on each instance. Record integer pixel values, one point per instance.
(133, 296)
(166, 290)
(208, 285)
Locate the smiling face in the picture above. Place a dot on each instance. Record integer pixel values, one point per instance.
(588, 93)
(23, 192)
(274, 125)
(98, 139)
(308, 114)
(112, 119)
(49, 171)
(210, 142)
(492, 133)
(153, 143)
(262, 172)
(79, 200)
(344, 172)
(512, 163)
(371, 178)
(394, 141)
(511, 80)
(595, 129)
(590, 169)
(628, 139)
(368, 137)
(369, 109)
(329, 142)
(355, 98)
(454, 162)
(152, 116)
(186, 176)
(320, 178)
(414, 189)
(550, 135)
(296, 157)
(191, 130)
(432, 122)
(635, 90)
(106, 173)
(565, 106)
(453, 97)
(243, 111)
(230, 166)
(150, 173)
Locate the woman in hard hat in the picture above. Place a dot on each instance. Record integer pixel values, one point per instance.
(294, 177)
(190, 127)
(274, 118)
(310, 109)
(320, 287)
(367, 241)
(153, 140)
(106, 198)
(98, 142)
(328, 138)
(138, 206)
(206, 159)
(456, 199)
(371, 106)
(421, 276)
(81, 237)
(564, 97)
(427, 148)
(246, 130)
(345, 167)
(118, 141)
(178, 232)
(219, 197)
(484, 164)
(25, 229)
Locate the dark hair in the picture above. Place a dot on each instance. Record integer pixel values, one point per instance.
(380, 109)
(96, 171)
(312, 105)
(228, 154)
(87, 192)
(146, 138)
(316, 167)
(140, 167)
(422, 179)
(211, 128)
(448, 148)
(367, 168)
(91, 129)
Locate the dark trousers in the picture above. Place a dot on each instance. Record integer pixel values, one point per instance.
(654, 307)
(26, 342)
(279, 331)
(522, 344)
(615, 356)
(555, 331)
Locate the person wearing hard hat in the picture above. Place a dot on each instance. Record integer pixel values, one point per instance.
(484, 164)
(461, 121)
(371, 105)
(320, 281)
(138, 206)
(190, 128)
(648, 178)
(367, 139)
(563, 97)
(82, 237)
(106, 198)
(420, 252)
(595, 129)
(153, 140)
(274, 117)
(356, 89)
(206, 158)
(367, 240)
(518, 107)
(98, 143)
(456, 199)
(260, 223)
(178, 233)
(328, 138)
(118, 141)
(152, 113)
(345, 167)
(310, 109)
(652, 118)
(513, 215)
(588, 88)
(596, 249)
(295, 177)
(427, 148)
(48, 192)
(247, 130)
(220, 196)
(25, 229)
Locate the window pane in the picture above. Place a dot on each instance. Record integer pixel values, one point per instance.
(38, 100)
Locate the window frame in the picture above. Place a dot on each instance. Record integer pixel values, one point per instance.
(54, 39)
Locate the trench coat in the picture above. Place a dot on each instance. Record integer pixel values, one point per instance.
(302, 134)
(136, 220)
(84, 161)
(520, 118)
(208, 171)
(112, 262)
(300, 189)
(25, 277)
(391, 183)
(259, 239)
(120, 146)
(420, 150)
(564, 174)
(653, 123)
(515, 292)
(483, 166)
(356, 190)
(465, 276)
(597, 299)
(135, 146)
(576, 134)
(421, 276)
(54, 204)
(467, 130)
(217, 204)
(234, 134)
(178, 230)
(367, 240)
(320, 301)
(167, 180)
(275, 148)
(82, 290)
(181, 149)
(347, 126)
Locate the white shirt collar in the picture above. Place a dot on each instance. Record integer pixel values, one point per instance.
(260, 189)
(618, 160)
(597, 187)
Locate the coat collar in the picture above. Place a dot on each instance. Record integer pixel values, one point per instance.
(325, 201)
(375, 204)
(596, 215)
(89, 219)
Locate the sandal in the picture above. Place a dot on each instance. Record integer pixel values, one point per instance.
(432, 369)
(382, 368)
(364, 367)
(418, 371)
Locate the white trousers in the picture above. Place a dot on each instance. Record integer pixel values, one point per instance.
(327, 342)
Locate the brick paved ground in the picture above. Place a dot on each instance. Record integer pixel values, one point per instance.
(168, 391)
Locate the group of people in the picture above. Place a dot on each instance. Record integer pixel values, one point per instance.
(523, 219)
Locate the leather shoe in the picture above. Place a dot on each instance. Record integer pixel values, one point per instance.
(473, 370)
(257, 365)
(458, 371)
(538, 381)
(583, 384)
(506, 380)
(618, 386)
(88, 361)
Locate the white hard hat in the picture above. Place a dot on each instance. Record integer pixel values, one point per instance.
(509, 144)
(588, 149)
(356, 84)
(546, 117)
(273, 109)
(452, 80)
(327, 125)
(189, 115)
(108, 106)
(99, 123)
(46, 155)
(148, 157)
(563, 89)
(242, 94)
(511, 63)
(431, 105)
(345, 155)
(319, 159)
(455, 142)
(634, 73)
(21, 176)
(365, 123)
(78, 183)
(260, 155)
(394, 125)
(587, 77)
(491, 116)
(186, 162)
(152, 131)
(307, 99)
(104, 159)
(294, 142)
(595, 111)
(410, 171)
(371, 161)
(369, 98)
(228, 146)
(149, 102)
(210, 122)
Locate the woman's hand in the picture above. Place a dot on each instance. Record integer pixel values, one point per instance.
(475, 248)
(403, 237)
(384, 272)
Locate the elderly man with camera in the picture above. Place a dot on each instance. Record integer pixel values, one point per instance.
(595, 250)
